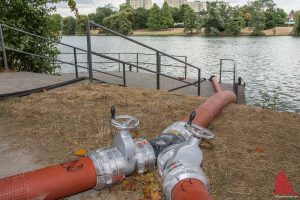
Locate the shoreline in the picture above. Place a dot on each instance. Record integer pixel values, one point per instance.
(278, 31)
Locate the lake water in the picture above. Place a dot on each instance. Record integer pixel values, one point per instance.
(265, 63)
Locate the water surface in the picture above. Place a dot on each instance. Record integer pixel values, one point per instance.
(264, 63)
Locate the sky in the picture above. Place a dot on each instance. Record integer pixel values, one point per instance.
(89, 6)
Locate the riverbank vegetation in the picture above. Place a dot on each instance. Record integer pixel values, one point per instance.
(296, 30)
(220, 18)
(251, 145)
(34, 17)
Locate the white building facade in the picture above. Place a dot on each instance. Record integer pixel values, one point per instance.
(147, 4)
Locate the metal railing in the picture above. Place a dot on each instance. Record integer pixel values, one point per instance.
(76, 50)
(156, 51)
(233, 71)
(136, 60)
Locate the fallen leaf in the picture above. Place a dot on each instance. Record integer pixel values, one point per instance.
(260, 149)
(80, 152)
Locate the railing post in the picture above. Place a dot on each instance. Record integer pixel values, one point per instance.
(3, 49)
(124, 75)
(137, 62)
(185, 67)
(235, 84)
(89, 48)
(119, 57)
(199, 82)
(75, 62)
(220, 78)
(158, 71)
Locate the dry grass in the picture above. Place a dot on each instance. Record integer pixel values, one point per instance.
(250, 147)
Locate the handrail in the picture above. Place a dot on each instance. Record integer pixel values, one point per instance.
(89, 52)
(139, 43)
(235, 76)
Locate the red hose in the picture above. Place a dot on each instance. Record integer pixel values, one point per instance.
(205, 114)
(216, 84)
(190, 189)
(52, 182)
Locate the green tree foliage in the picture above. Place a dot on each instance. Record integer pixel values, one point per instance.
(101, 13)
(140, 18)
(176, 14)
(213, 21)
(81, 22)
(154, 20)
(234, 25)
(128, 11)
(32, 16)
(119, 22)
(69, 26)
(56, 21)
(182, 9)
(122, 21)
(296, 29)
(166, 16)
(189, 20)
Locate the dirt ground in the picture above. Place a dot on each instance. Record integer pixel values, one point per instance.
(251, 145)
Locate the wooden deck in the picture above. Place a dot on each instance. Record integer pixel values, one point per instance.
(13, 82)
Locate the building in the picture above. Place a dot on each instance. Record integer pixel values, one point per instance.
(290, 19)
(197, 6)
(147, 4)
(176, 3)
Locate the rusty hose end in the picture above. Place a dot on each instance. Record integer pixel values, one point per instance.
(190, 189)
(216, 84)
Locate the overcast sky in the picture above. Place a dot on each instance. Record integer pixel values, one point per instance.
(89, 6)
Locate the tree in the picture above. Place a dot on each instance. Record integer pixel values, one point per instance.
(189, 20)
(69, 26)
(140, 18)
(213, 21)
(166, 16)
(182, 9)
(154, 20)
(176, 15)
(119, 22)
(81, 22)
(296, 29)
(234, 25)
(32, 16)
(56, 21)
(101, 13)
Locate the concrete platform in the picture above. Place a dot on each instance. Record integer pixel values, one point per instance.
(13, 82)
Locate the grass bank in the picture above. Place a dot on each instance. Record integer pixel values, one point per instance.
(277, 31)
(250, 147)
